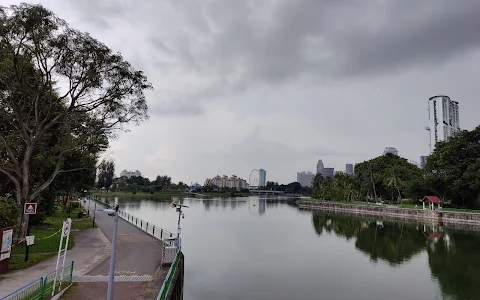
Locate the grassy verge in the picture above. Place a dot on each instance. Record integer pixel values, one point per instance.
(47, 239)
(407, 206)
(138, 194)
(70, 292)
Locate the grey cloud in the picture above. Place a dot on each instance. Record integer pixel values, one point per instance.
(242, 44)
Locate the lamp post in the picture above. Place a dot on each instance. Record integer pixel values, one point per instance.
(180, 214)
(114, 213)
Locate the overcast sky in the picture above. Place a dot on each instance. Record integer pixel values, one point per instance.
(280, 84)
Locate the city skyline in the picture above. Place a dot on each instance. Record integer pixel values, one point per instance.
(241, 86)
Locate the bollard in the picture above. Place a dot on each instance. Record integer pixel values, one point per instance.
(161, 234)
(147, 227)
(153, 229)
(141, 223)
(136, 221)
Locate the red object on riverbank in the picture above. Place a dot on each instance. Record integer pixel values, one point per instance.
(432, 199)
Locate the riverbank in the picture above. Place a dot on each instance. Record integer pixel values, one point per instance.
(167, 194)
(444, 217)
(138, 194)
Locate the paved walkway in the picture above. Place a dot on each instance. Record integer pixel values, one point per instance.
(91, 248)
(138, 254)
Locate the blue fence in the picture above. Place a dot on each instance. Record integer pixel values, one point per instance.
(43, 286)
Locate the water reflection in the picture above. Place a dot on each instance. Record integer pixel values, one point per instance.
(452, 254)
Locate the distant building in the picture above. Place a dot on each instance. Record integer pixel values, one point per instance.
(305, 178)
(129, 174)
(262, 181)
(443, 119)
(391, 150)
(229, 182)
(328, 172)
(423, 161)
(339, 172)
(349, 169)
(320, 167)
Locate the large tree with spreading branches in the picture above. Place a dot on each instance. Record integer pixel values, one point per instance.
(58, 83)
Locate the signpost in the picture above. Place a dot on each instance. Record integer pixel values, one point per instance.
(28, 209)
(6, 244)
(67, 225)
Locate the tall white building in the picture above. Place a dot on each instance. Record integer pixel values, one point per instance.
(262, 181)
(320, 167)
(305, 178)
(443, 119)
(391, 150)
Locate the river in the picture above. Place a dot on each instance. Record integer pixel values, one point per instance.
(267, 248)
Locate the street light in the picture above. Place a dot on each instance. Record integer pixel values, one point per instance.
(114, 213)
(180, 214)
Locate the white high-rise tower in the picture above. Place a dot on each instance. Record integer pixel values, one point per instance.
(443, 119)
(320, 167)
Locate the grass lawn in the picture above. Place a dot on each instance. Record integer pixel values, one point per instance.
(47, 239)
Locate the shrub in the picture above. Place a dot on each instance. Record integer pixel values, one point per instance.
(8, 212)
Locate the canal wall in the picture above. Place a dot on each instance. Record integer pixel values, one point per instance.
(451, 219)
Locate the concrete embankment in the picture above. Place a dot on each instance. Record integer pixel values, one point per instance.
(429, 216)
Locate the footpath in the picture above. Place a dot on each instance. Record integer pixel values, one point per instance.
(137, 264)
(138, 274)
(91, 248)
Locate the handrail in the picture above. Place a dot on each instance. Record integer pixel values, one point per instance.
(38, 288)
(149, 228)
(167, 282)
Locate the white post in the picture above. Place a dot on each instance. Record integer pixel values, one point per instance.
(423, 203)
(63, 263)
(111, 277)
(58, 259)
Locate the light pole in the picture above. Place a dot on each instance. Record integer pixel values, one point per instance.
(114, 213)
(180, 214)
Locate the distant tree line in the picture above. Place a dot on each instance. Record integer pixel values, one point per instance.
(452, 172)
(134, 184)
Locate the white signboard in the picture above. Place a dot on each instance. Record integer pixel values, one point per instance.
(67, 225)
(30, 239)
(6, 244)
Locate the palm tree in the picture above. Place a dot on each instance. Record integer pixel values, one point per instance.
(395, 182)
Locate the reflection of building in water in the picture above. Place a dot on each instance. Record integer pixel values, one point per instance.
(261, 206)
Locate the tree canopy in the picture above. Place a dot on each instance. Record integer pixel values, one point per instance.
(62, 95)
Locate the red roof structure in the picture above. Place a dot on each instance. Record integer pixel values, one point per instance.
(432, 199)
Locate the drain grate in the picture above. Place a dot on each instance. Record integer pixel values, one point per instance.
(105, 278)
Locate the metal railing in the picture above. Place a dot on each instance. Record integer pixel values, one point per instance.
(42, 287)
(167, 282)
(152, 229)
(158, 232)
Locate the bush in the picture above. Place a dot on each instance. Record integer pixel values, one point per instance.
(8, 212)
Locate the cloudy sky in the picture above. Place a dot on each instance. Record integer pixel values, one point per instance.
(279, 84)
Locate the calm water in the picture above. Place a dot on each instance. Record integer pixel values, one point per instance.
(273, 250)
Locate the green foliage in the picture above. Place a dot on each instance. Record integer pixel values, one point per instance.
(8, 212)
(342, 187)
(51, 135)
(106, 171)
(453, 169)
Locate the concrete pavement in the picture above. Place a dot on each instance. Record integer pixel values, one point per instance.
(91, 248)
(137, 252)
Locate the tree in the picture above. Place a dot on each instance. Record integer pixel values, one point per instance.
(453, 169)
(106, 173)
(53, 77)
(394, 181)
